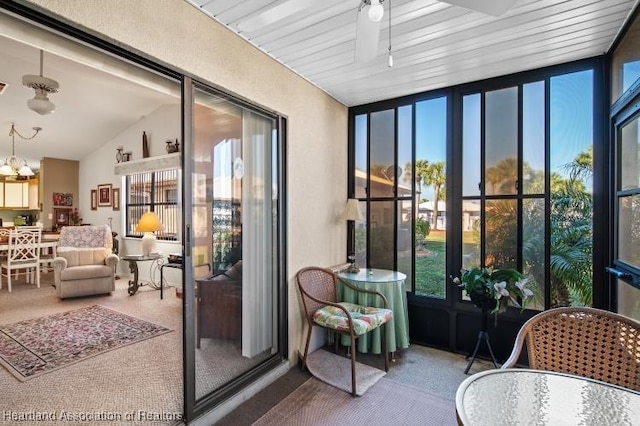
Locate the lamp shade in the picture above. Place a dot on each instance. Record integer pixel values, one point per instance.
(352, 211)
(149, 222)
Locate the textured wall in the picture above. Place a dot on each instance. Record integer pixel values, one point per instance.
(175, 33)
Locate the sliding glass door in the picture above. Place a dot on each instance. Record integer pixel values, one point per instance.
(232, 247)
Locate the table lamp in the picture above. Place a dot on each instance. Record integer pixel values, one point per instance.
(148, 224)
(352, 212)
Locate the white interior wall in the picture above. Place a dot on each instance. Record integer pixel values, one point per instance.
(176, 33)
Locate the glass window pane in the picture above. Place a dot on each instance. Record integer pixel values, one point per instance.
(628, 300)
(382, 153)
(381, 238)
(533, 138)
(533, 254)
(430, 225)
(625, 62)
(501, 230)
(501, 141)
(629, 229)
(404, 189)
(571, 159)
(361, 237)
(630, 155)
(471, 215)
(471, 145)
(361, 156)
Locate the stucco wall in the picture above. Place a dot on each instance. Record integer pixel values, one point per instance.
(177, 34)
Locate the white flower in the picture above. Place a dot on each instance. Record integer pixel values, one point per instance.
(501, 289)
(520, 284)
(456, 280)
(527, 292)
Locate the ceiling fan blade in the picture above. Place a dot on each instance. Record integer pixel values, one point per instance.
(367, 37)
(275, 14)
(490, 7)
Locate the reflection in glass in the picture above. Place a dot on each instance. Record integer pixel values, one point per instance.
(629, 230)
(471, 145)
(471, 219)
(234, 221)
(629, 158)
(628, 300)
(381, 224)
(501, 230)
(404, 192)
(625, 61)
(382, 159)
(361, 156)
(533, 255)
(533, 138)
(501, 141)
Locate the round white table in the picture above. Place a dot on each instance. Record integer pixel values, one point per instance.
(391, 285)
(537, 397)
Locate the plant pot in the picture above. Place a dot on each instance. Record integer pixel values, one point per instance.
(483, 300)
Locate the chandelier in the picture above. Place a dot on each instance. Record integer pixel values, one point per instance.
(12, 166)
(42, 86)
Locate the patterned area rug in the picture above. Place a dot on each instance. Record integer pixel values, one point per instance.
(40, 345)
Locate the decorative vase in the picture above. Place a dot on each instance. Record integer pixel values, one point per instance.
(483, 300)
(145, 145)
(170, 147)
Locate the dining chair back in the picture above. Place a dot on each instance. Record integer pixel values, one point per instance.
(319, 292)
(23, 255)
(587, 342)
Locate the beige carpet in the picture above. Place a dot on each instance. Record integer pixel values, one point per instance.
(335, 370)
(386, 403)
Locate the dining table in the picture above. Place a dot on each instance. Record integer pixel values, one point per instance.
(45, 244)
(516, 396)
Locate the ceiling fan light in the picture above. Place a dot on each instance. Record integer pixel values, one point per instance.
(41, 103)
(376, 11)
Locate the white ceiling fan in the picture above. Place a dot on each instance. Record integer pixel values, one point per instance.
(370, 14)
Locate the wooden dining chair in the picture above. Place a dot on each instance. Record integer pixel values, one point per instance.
(587, 342)
(23, 255)
(319, 292)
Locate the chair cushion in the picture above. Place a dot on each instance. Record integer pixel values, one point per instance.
(365, 318)
(86, 272)
(83, 256)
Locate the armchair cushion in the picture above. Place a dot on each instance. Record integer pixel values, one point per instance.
(86, 272)
(364, 318)
(83, 255)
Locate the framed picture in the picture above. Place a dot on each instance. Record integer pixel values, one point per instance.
(104, 195)
(62, 199)
(115, 193)
(61, 216)
(94, 199)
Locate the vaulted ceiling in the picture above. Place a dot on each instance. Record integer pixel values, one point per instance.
(434, 44)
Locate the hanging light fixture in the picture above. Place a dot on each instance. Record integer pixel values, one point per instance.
(42, 86)
(12, 166)
(376, 11)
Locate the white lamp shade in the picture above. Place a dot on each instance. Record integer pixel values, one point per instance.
(41, 103)
(25, 170)
(376, 11)
(352, 211)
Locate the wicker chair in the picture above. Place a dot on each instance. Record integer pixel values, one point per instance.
(318, 289)
(586, 342)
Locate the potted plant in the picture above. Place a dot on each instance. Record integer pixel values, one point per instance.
(493, 289)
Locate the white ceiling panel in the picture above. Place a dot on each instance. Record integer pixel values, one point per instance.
(434, 44)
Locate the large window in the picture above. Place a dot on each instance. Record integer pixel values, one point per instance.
(156, 192)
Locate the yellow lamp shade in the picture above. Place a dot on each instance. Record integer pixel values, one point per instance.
(149, 222)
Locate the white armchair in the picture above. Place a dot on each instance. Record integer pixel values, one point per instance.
(84, 264)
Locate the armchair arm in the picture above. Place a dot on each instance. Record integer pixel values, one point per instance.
(59, 264)
(111, 260)
(515, 352)
(364, 290)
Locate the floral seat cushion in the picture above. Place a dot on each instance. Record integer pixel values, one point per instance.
(364, 318)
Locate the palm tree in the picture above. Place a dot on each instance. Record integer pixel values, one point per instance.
(435, 175)
(421, 167)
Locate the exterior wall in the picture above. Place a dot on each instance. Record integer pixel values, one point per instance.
(177, 34)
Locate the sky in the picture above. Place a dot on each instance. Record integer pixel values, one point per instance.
(571, 128)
